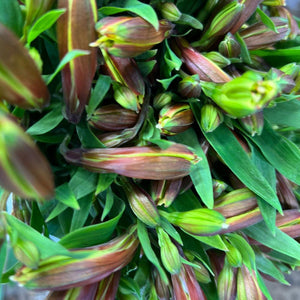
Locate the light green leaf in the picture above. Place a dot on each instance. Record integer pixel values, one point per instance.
(58, 209)
(104, 181)
(141, 9)
(44, 23)
(170, 230)
(65, 195)
(171, 60)
(166, 82)
(47, 123)
(214, 241)
(98, 93)
(266, 20)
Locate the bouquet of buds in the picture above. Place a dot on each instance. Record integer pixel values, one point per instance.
(149, 149)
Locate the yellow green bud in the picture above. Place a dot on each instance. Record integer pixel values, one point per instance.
(126, 98)
(218, 59)
(211, 118)
(162, 99)
(170, 11)
(226, 283)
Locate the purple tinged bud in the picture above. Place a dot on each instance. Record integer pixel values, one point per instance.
(219, 187)
(170, 11)
(229, 47)
(189, 86)
(253, 124)
(226, 283)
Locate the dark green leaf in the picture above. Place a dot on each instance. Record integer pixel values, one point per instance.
(37, 221)
(65, 195)
(109, 201)
(168, 227)
(3, 254)
(146, 67)
(262, 285)
(59, 208)
(104, 181)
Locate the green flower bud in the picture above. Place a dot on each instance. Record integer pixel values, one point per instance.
(291, 69)
(218, 59)
(201, 273)
(189, 86)
(274, 2)
(162, 99)
(201, 221)
(126, 98)
(226, 283)
(170, 11)
(233, 255)
(229, 47)
(253, 124)
(175, 118)
(211, 118)
(168, 252)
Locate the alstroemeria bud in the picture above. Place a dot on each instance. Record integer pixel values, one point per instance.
(258, 35)
(175, 118)
(76, 30)
(236, 202)
(141, 203)
(196, 63)
(226, 283)
(218, 59)
(242, 96)
(162, 99)
(247, 285)
(168, 252)
(112, 117)
(219, 187)
(23, 169)
(162, 289)
(64, 272)
(21, 83)
(201, 273)
(185, 285)
(253, 124)
(201, 221)
(116, 138)
(274, 2)
(170, 11)
(291, 69)
(147, 162)
(129, 36)
(125, 71)
(289, 222)
(127, 98)
(189, 86)
(284, 13)
(229, 47)
(211, 118)
(233, 255)
(108, 287)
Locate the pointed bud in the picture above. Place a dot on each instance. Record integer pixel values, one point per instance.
(162, 289)
(229, 47)
(126, 98)
(233, 255)
(23, 169)
(112, 118)
(168, 252)
(247, 285)
(125, 71)
(148, 162)
(258, 35)
(162, 99)
(64, 272)
(116, 138)
(274, 2)
(289, 222)
(108, 287)
(284, 13)
(170, 11)
(218, 59)
(189, 86)
(21, 83)
(175, 118)
(201, 273)
(219, 187)
(76, 30)
(226, 283)
(141, 203)
(211, 118)
(253, 124)
(196, 63)
(129, 36)
(236, 202)
(201, 221)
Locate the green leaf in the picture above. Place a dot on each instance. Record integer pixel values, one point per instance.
(262, 285)
(44, 23)
(47, 123)
(59, 208)
(98, 93)
(146, 67)
(65, 60)
(3, 257)
(167, 81)
(170, 230)
(172, 62)
(283, 154)
(141, 9)
(11, 16)
(214, 241)
(284, 114)
(281, 242)
(146, 245)
(37, 221)
(93, 234)
(200, 172)
(109, 201)
(65, 195)
(232, 153)
(266, 20)
(104, 181)
(189, 20)
(244, 49)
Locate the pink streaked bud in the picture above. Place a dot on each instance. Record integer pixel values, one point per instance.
(147, 162)
(283, 12)
(289, 222)
(76, 30)
(226, 283)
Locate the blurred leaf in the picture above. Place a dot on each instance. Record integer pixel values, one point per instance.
(262, 285)
(266, 20)
(141, 9)
(128, 286)
(3, 257)
(93, 234)
(58, 209)
(109, 201)
(65, 195)
(44, 23)
(37, 221)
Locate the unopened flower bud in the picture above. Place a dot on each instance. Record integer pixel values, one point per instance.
(168, 252)
(291, 69)
(162, 288)
(218, 187)
(229, 47)
(274, 2)
(189, 86)
(162, 99)
(253, 124)
(170, 11)
(129, 36)
(211, 118)
(218, 59)
(226, 283)
(175, 118)
(233, 256)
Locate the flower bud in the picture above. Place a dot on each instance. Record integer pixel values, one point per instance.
(218, 59)
(226, 283)
(162, 99)
(21, 83)
(129, 36)
(170, 11)
(201, 273)
(175, 118)
(116, 138)
(289, 222)
(162, 289)
(23, 169)
(126, 98)
(229, 47)
(147, 162)
(284, 13)
(168, 252)
(253, 124)
(201, 221)
(218, 187)
(189, 86)
(141, 203)
(233, 256)
(291, 69)
(211, 118)
(112, 118)
(274, 2)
